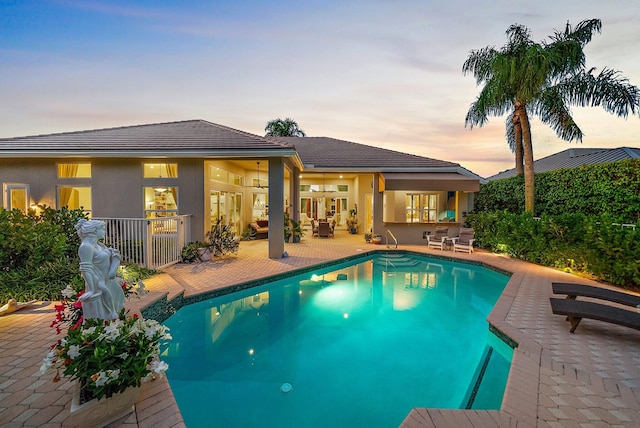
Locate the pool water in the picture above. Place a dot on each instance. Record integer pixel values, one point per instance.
(350, 345)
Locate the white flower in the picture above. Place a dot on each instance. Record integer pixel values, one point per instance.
(113, 374)
(150, 331)
(124, 355)
(68, 292)
(158, 366)
(112, 330)
(88, 331)
(100, 378)
(74, 351)
(141, 289)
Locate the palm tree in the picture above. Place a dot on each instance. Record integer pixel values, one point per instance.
(283, 128)
(543, 79)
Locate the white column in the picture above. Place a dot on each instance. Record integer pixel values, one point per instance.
(276, 208)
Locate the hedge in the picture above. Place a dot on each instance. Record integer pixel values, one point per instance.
(595, 245)
(609, 188)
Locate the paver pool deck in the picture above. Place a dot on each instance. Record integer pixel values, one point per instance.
(587, 379)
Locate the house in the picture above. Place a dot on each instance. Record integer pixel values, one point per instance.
(210, 172)
(572, 158)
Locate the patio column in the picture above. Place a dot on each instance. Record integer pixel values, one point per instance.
(295, 195)
(378, 225)
(276, 208)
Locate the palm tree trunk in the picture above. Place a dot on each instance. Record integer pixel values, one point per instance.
(517, 127)
(527, 148)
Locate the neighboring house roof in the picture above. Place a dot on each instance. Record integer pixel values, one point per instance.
(572, 158)
(188, 138)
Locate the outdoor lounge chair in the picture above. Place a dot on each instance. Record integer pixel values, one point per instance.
(575, 310)
(573, 290)
(438, 239)
(464, 241)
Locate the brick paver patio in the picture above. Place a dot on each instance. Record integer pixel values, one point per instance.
(587, 379)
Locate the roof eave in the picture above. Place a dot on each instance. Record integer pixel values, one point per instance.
(151, 153)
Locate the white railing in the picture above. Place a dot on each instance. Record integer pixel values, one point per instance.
(150, 242)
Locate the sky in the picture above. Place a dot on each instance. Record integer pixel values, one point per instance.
(385, 73)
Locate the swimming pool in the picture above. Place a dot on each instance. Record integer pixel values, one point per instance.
(355, 344)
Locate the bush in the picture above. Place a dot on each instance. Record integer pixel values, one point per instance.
(573, 242)
(594, 190)
(39, 254)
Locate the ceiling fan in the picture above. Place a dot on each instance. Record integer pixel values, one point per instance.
(259, 183)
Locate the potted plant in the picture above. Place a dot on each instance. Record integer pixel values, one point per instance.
(367, 237)
(195, 251)
(108, 360)
(296, 230)
(287, 227)
(376, 238)
(352, 224)
(222, 239)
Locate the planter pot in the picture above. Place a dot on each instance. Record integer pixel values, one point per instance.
(204, 254)
(296, 239)
(353, 231)
(98, 413)
(377, 241)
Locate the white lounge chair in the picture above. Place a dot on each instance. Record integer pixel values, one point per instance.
(438, 239)
(464, 241)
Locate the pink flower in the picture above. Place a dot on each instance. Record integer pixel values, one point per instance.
(78, 324)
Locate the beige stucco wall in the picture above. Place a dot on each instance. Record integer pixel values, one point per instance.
(116, 184)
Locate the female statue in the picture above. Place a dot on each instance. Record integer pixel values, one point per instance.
(103, 296)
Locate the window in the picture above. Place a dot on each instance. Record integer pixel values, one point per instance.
(222, 176)
(260, 206)
(160, 201)
(74, 197)
(421, 208)
(74, 170)
(160, 170)
(16, 196)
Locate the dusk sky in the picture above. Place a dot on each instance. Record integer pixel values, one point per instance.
(378, 72)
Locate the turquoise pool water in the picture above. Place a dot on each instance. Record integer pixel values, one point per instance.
(350, 345)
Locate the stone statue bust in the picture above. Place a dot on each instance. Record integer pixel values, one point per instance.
(103, 297)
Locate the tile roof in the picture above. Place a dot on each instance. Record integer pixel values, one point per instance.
(186, 136)
(329, 153)
(572, 158)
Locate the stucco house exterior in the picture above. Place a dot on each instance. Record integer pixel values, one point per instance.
(209, 172)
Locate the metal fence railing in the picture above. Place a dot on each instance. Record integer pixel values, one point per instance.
(153, 243)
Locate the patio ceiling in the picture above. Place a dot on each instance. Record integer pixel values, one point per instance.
(421, 181)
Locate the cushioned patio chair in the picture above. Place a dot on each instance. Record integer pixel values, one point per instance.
(324, 230)
(464, 241)
(438, 239)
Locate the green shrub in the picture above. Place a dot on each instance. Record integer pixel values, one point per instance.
(39, 254)
(594, 190)
(573, 242)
